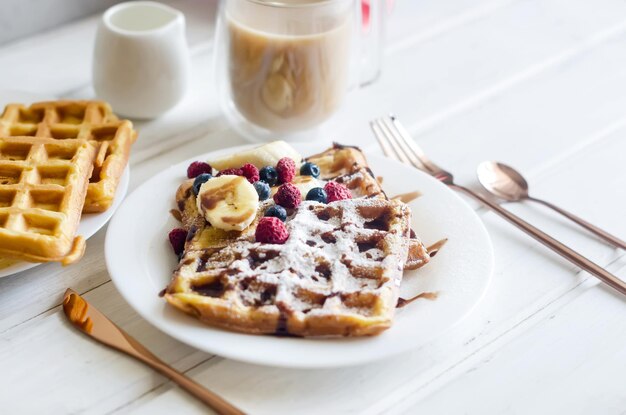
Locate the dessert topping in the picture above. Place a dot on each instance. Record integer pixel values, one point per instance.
(317, 194)
(199, 181)
(336, 191)
(262, 189)
(269, 175)
(250, 172)
(310, 169)
(286, 169)
(197, 168)
(228, 202)
(271, 230)
(288, 196)
(276, 211)
(177, 238)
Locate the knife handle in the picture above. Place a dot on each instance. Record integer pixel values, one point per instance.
(214, 401)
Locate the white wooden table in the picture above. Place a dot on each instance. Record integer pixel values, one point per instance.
(539, 84)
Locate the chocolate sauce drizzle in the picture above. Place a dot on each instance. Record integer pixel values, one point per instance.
(176, 214)
(428, 295)
(434, 248)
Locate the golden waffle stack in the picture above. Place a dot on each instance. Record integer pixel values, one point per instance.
(43, 182)
(338, 274)
(82, 121)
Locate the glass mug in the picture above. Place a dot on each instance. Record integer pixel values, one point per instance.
(284, 67)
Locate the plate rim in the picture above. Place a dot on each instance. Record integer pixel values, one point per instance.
(163, 327)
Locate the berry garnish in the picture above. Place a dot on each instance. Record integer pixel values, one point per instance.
(317, 194)
(288, 196)
(262, 189)
(250, 172)
(196, 168)
(310, 169)
(177, 238)
(199, 181)
(268, 175)
(271, 230)
(276, 211)
(230, 172)
(336, 191)
(286, 169)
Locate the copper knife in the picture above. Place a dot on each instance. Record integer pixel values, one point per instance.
(92, 322)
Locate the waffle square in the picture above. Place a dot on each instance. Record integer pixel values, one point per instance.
(338, 274)
(84, 121)
(43, 182)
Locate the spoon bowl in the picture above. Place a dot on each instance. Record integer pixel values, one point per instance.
(503, 181)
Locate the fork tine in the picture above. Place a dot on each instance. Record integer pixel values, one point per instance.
(388, 135)
(381, 140)
(401, 143)
(410, 145)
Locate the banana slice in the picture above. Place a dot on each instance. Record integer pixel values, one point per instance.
(265, 155)
(228, 202)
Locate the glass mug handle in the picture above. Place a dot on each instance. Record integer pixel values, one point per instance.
(372, 15)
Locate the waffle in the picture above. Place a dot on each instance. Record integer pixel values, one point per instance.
(338, 274)
(82, 121)
(43, 182)
(346, 165)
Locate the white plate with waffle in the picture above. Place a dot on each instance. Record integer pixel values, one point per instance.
(140, 261)
(19, 121)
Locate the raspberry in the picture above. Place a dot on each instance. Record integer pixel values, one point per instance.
(233, 172)
(250, 172)
(286, 169)
(336, 191)
(288, 196)
(196, 168)
(178, 236)
(271, 230)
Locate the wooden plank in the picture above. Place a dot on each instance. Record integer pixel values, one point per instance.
(72, 373)
(569, 361)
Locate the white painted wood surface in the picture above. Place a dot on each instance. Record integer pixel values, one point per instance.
(540, 84)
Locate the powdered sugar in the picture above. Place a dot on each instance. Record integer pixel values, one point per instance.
(322, 256)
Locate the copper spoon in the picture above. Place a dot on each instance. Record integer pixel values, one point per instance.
(92, 322)
(508, 184)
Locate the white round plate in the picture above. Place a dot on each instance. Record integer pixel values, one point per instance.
(90, 223)
(140, 262)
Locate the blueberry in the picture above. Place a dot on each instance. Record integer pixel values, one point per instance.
(310, 169)
(262, 189)
(317, 194)
(269, 175)
(276, 211)
(199, 181)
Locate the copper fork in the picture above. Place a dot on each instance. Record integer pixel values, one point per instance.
(397, 143)
(93, 323)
